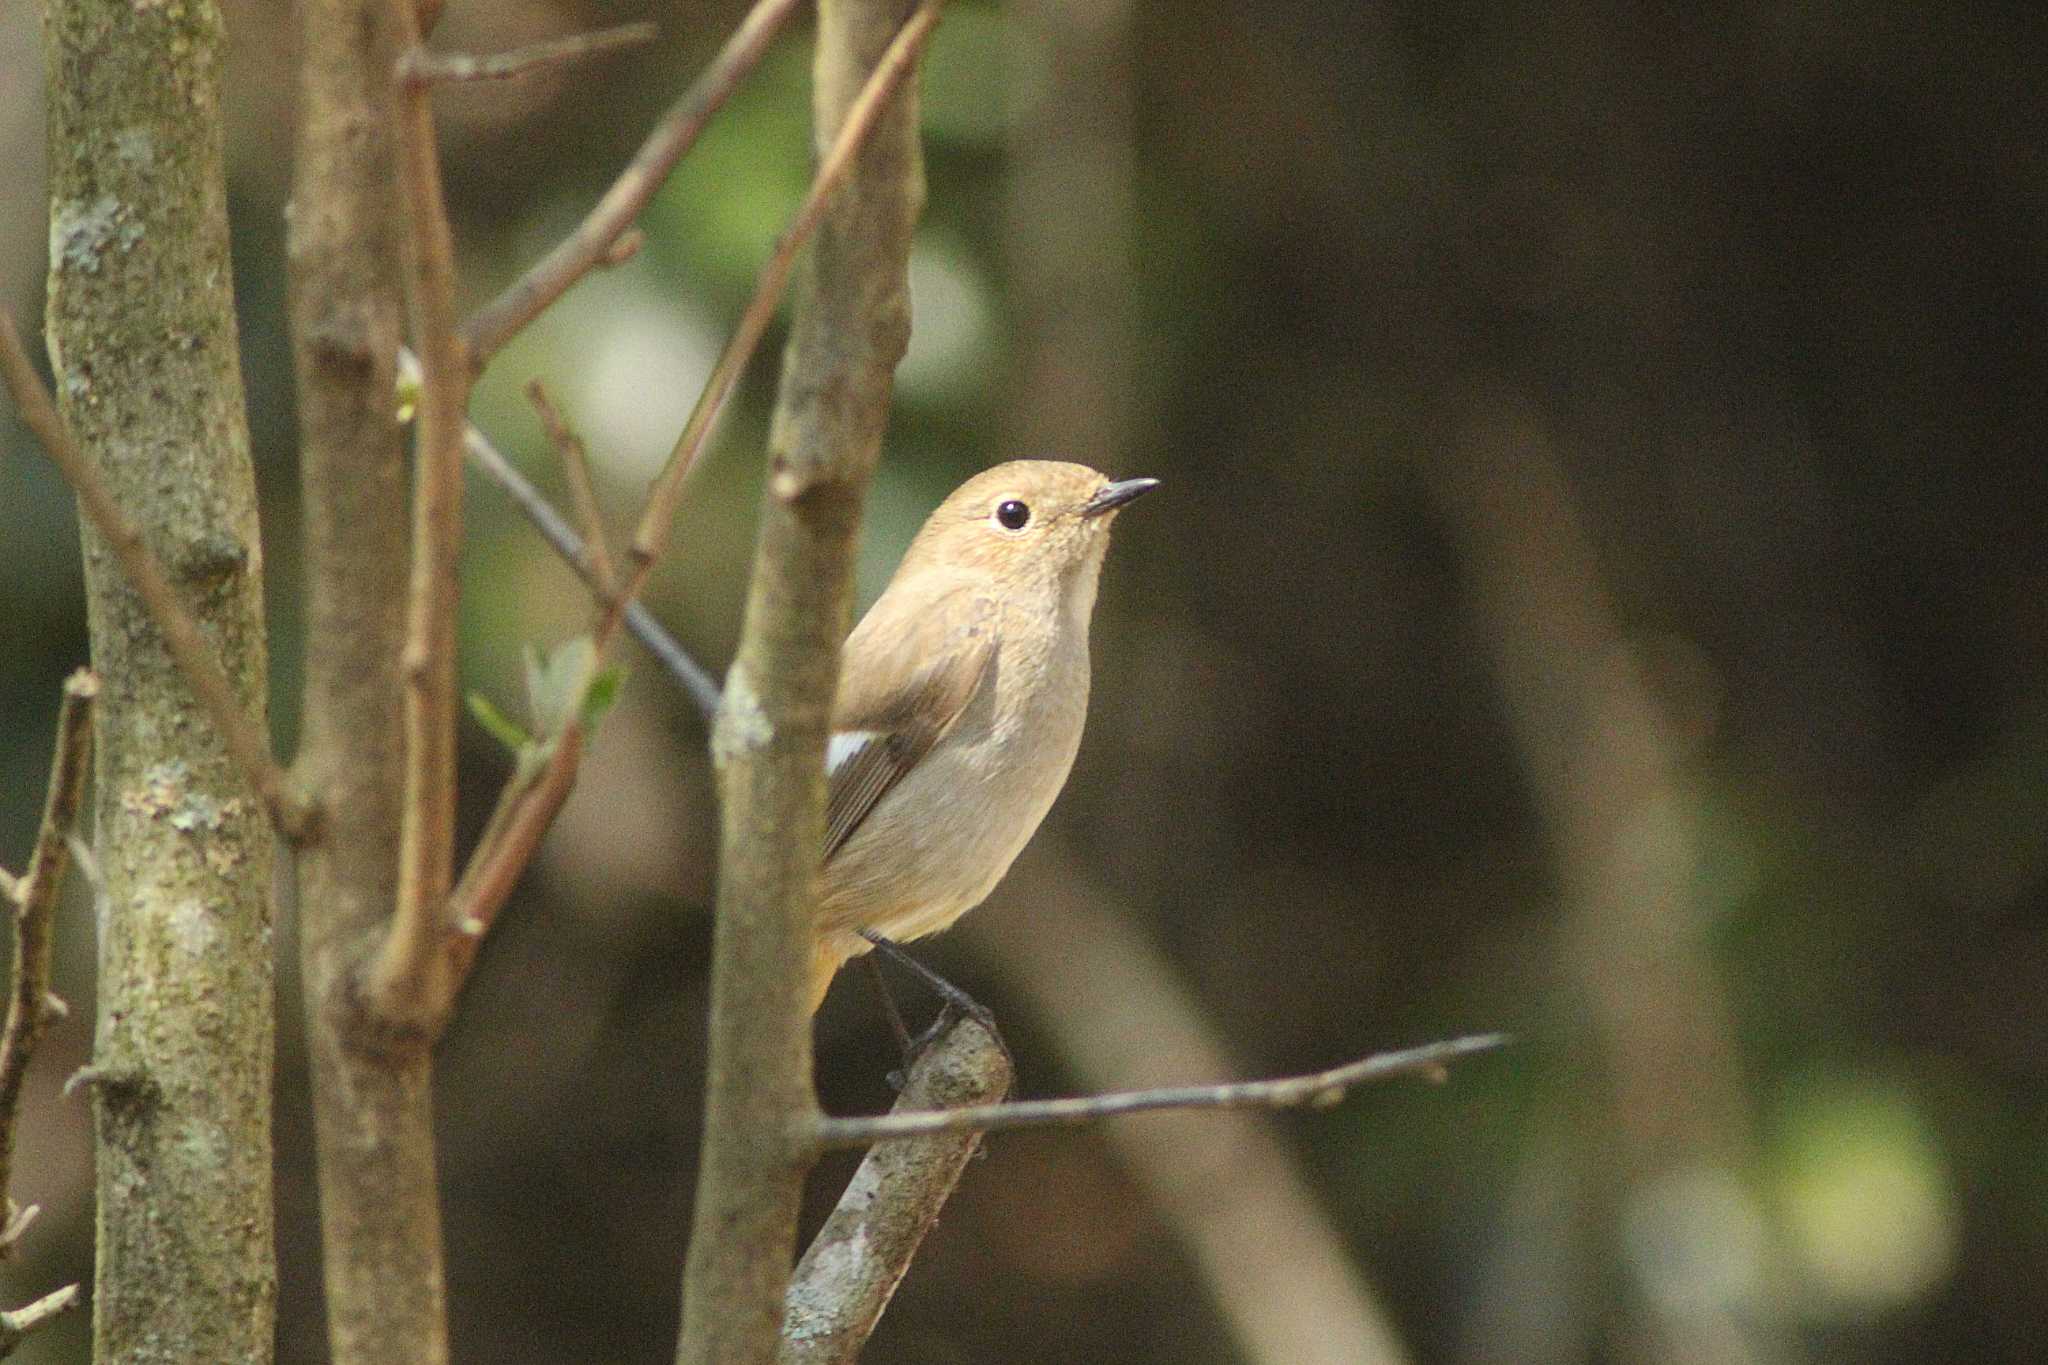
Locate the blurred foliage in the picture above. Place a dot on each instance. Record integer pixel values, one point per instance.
(1761, 284)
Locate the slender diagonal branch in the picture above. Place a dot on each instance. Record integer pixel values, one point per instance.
(697, 683)
(656, 518)
(440, 67)
(576, 466)
(1320, 1089)
(587, 247)
(188, 647)
(409, 969)
(28, 1008)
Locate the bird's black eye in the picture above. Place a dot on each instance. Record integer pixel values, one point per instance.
(1013, 514)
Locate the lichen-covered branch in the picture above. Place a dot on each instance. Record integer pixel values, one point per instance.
(141, 330)
(849, 332)
(852, 1267)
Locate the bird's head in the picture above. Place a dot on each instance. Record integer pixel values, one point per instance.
(1025, 522)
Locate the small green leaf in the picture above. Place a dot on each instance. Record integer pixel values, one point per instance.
(599, 696)
(502, 727)
(408, 398)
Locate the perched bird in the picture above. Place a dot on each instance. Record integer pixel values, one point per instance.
(960, 703)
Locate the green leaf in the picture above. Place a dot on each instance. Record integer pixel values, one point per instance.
(502, 727)
(599, 696)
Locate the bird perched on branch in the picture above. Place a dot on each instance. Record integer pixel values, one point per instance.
(961, 698)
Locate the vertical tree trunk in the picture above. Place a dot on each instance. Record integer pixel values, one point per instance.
(141, 331)
(380, 1217)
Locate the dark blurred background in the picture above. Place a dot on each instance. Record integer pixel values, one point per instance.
(1600, 591)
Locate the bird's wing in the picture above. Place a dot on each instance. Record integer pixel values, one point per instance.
(880, 728)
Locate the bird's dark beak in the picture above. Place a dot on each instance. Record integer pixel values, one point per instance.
(1111, 496)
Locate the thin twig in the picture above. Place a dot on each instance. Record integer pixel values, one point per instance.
(18, 1324)
(438, 67)
(576, 466)
(28, 1008)
(588, 246)
(246, 744)
(1320, 1089)
(651, 535)
(697, 683)
(407, 964)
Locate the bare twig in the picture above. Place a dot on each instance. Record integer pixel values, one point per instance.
(592, 241)
(696, 682)
(409, 967)
(18, 1324)
(854, 1264)
(1320, 1089)
(651, 535)
(437, 67)
(29, 1000)
(576, 466)
(188, 647)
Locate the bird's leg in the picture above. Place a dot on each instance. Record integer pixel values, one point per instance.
(904, 1043)
(952, 995)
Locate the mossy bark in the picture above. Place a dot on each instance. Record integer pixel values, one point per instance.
(141, 331)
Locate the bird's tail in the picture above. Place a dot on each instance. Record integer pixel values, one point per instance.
(827, 956)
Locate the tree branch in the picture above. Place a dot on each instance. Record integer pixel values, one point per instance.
(372, 1083)
(431, 943)
(441, 68)
(851, 1270)
(35, 898)
(852, 135)
(769, 743)
(588, 246)
(18, 1324)
(697, 684)
(576, 466)
(1319, 1089)
(408, 979)
(188, 647)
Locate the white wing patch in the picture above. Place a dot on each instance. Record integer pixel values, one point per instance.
(844, 744)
